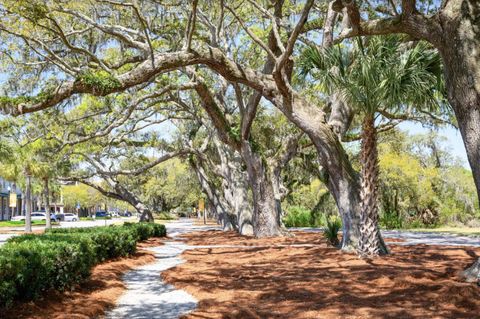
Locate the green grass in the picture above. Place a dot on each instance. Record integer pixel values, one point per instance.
(467, 231)
(96, 218)
(10, 223)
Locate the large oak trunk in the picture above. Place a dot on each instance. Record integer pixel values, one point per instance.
(460, 51)
(341, 179)
(266, 219)
(235, 188)
(371, 243)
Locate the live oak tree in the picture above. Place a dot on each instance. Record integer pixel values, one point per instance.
(66, 44)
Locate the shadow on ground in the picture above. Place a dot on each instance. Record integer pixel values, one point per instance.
(320, 282)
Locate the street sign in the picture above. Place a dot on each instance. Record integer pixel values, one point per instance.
(13, 200)
(201, 205)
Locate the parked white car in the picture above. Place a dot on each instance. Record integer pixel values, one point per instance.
(35, 216)
(17, 218)
(69, 217)
(114, 214)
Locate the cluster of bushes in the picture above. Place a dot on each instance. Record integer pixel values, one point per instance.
(299, 216)
(163, 215)
(62, 258)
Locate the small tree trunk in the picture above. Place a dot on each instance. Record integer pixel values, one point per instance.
(145, 213)
(28, 203)
(472, 273)
(219, 205)
(371, 242)
(46, 194)
(265, 211)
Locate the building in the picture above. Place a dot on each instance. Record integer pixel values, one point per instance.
(6, 189)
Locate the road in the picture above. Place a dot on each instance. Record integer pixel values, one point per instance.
(416, 238)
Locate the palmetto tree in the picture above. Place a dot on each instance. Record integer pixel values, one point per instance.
(382, 76)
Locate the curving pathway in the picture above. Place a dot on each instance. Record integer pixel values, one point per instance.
(147, 296)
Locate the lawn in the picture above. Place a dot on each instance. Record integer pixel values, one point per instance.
(11, 223)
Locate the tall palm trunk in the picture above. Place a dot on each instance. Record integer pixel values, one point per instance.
(28, 203)
(371, 242)
(46, 193)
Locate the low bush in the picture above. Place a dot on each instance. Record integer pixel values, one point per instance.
(332, 227)
(391, 220)
(62, 258)
(163, 216)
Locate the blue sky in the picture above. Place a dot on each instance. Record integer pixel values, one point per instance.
(454, 139)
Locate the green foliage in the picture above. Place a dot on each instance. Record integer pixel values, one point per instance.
(101, 81)
(379, 74)
(391, 220)
(298, 216)
(332, 226)
(167, 186)
(145, 230)
(163, 216)
(31, 264)
(421, 185)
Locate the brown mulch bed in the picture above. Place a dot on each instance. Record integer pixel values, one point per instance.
(321, 282)
(92, 298)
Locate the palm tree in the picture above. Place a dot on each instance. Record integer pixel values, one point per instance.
(382, 76)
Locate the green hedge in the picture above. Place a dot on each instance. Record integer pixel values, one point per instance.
(62, 258)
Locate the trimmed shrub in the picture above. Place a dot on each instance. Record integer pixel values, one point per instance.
(31, 264)
(145, 230)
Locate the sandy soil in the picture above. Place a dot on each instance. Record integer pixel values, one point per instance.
(320, 282)
(92, 298)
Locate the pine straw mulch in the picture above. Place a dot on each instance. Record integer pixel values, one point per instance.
(321, 282)
(92, 298)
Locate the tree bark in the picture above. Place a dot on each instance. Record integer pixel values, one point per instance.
(472, 274)
(235, 186)
(46, 194)
(219, 204)
(460, 51)
(266, 219)
(145, 213)
(134, 200)
(342, 180)
(371, 243)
